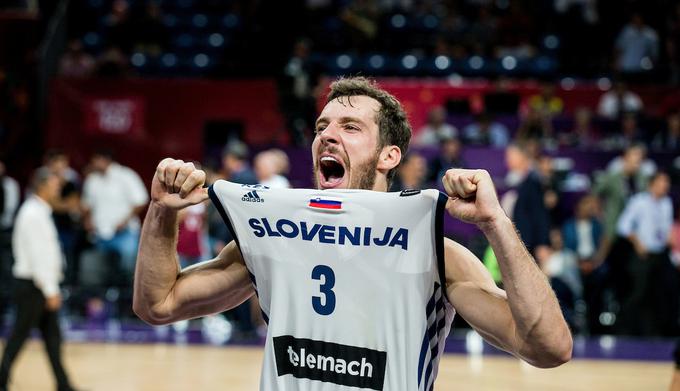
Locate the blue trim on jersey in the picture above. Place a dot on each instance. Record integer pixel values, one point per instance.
(428, 372)
(423, 354)
(439, 237)
(264, 316)
(432, 335)
(252, 278)
(430, 306)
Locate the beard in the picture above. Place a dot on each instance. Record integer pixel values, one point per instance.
(365, 175)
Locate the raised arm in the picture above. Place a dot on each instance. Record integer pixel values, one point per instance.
(525, 319)
(162, 292)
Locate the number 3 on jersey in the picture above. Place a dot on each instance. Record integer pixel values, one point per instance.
(326, 289)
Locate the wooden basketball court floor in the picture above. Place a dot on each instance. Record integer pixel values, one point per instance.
(163, 367)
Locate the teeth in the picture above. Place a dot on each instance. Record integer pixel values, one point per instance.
(328, 158)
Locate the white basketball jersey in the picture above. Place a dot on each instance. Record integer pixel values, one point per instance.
(351, 284)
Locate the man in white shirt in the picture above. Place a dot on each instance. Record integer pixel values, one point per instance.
(38, 271)
(114, 195)
(652, 306)
(617, 101)
(436, 129)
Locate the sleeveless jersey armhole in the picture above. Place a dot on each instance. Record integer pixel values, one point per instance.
(439, 240)
(220, 208)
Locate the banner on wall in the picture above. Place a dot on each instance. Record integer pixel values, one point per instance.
(122, 116)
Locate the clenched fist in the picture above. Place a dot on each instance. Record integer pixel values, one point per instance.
(177, 184)
(472, 196)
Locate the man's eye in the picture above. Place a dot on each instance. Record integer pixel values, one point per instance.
(320, 129)
(351, 127)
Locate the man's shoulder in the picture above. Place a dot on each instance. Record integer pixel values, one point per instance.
(31, 210)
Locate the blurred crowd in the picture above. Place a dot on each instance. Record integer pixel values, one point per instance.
(608, 238)
(225, 38)
(97, 213)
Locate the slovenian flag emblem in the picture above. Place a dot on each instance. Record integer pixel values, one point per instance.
(326, 203)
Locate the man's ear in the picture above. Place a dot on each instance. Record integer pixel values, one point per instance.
(390, 157)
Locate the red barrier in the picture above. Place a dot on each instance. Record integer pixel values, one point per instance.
(145, 120)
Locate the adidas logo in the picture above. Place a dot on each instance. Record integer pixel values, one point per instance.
(252, 196)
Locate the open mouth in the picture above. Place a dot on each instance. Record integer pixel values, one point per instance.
(331, 172)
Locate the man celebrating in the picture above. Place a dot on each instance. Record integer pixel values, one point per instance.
(359, 287)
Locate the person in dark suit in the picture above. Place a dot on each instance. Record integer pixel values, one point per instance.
(529, 212)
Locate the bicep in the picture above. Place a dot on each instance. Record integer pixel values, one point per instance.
(212, 286)
(475, 296)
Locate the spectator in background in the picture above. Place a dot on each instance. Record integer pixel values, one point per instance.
(652, 305)
(560, 264)
(528, 209)
(668, 140)
(617, 101)
(218, 232)
(647, 166)
(191, 237)
(38, 272)
(236, 169)
(514, 32)
(535, 126)
(551, 187)
(67, 211)
(613, 188)
(436, 130)
(450, 156)
(546, 103)
(235, 165)
(269, 165)
(113, 63)
(486, 132)
(121, 28)
(155, 35)
(113, 197)
(75, 62)
(637, 47)
(583, 235)
(629, 134)
(10, 196)
(412, 173)
(297, 90)
(583, 135)
(675, 240)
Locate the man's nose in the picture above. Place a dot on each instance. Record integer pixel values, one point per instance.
(330, 134)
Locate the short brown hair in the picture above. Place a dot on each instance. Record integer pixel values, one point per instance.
(393, 125)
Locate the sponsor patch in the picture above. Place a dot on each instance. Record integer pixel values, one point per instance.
(330, 362)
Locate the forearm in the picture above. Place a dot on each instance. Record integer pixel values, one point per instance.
(157, 267)
(542, 336)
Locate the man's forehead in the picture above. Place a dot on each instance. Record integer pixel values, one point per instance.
(357, 105)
